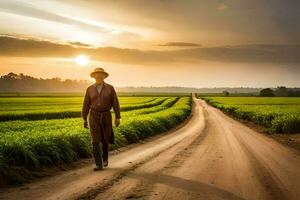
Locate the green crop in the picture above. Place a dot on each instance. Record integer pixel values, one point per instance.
(278, 114)
(58, 108)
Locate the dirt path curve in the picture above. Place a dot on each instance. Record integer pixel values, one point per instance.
(211, 157)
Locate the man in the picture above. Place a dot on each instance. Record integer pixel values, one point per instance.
(98, 100)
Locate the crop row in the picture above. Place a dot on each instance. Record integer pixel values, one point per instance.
(33, 104)
(69, 111)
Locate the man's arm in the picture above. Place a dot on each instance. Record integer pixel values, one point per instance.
(116, 105)
(85, 108)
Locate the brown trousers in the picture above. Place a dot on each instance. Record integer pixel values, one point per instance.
(100, 152)
(102, 134)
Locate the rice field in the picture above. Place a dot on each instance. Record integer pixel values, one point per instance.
(38, 132)
(277, 114)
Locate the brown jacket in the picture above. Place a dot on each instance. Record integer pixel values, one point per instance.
(98, 106)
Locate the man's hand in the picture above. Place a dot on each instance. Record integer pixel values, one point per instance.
(85, 124)
(117, 122)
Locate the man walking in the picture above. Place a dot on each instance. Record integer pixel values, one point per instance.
(98, 100)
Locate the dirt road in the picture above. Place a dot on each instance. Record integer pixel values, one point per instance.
(211, 157)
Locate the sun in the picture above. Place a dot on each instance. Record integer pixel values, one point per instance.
(82, 60)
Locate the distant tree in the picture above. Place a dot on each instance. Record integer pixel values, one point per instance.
(226, 93)
(281, 91)
(267, 92)
(13, 82)
(294, 93)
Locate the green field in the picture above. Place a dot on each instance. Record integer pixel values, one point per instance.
(36, 108)
(277, 114)
(37, 132)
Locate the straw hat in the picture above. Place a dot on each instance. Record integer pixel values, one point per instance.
(98, 70)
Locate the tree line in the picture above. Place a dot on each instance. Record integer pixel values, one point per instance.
(280, 91)
(19, 83)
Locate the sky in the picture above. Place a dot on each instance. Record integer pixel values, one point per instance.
(193, 43)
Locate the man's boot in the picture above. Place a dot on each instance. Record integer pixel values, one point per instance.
(97, 152)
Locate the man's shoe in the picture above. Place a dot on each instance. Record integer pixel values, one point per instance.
(98, 168)
(105, 163)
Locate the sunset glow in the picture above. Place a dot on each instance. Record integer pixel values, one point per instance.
(201, 43)
(82, 60)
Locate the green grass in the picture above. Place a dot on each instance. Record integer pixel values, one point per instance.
(277, 114)
(27, 146)
(42, 103)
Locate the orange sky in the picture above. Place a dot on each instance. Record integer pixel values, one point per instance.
(205, 43)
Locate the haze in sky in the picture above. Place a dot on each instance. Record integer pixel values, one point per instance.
(195, 43)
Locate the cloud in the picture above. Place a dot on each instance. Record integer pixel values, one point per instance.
(10, 46)
(257, 53)
(79, 44)
(212, 22)
(127, 23)
(30, 10)
(180, 44)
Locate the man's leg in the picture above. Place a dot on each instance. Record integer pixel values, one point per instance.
(105, 153)
(97, 152)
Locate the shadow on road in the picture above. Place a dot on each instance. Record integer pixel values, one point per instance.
(203, 189)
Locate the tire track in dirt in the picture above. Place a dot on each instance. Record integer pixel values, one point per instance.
(263, 174)
(144, 188)
(205, 171)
